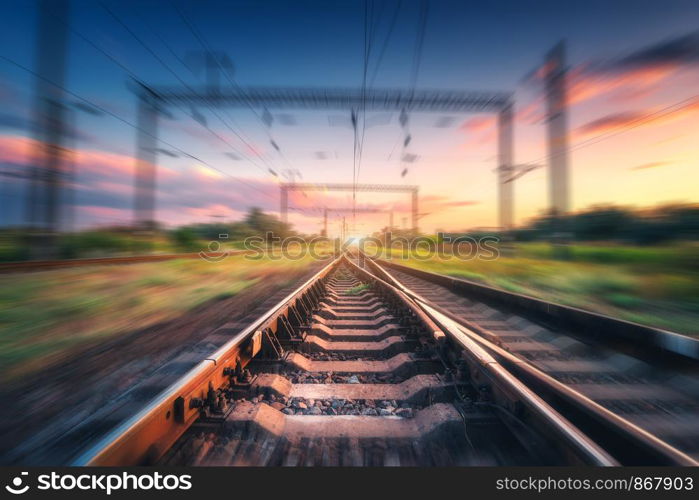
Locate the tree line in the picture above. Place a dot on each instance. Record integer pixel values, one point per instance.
(676, 222)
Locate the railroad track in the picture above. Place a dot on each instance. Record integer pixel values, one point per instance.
(648, 377)
(354, 368)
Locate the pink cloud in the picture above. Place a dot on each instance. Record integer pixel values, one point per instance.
(479, 124)
(16, 149)
(479, 130)
(125, 189)
(203, 213)
(108, 213)
(20, 150)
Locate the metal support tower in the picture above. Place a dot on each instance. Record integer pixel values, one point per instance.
(414, 211)
(557, 117)
(47, 175)
(146, 158)
(505, 169)
(284, 204)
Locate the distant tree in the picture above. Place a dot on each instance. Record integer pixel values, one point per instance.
(604, 222)
(185, 239)
(615, 223)
(263, 223)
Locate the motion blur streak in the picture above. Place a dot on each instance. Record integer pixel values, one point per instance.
(142, 144)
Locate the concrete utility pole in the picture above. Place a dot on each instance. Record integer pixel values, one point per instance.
(557, 118)
(146, 158)
(47, 175)
(283, 204)
(414, 212)
(505, 166)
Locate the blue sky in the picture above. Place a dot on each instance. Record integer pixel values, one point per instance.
(467, 45)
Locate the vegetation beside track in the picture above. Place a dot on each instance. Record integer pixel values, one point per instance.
(18, 245)
(50, 316)
(656, 286)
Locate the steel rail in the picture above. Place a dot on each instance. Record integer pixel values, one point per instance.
(635, 444)
(147, 435)
(581, 445)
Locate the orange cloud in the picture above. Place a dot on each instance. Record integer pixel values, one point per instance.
(438, 202)
(432, 197)
(610, 122)
(531, 113)
(479, 124)
(633, 119)
(465, 203)
(652, 164)
(584, 85)
(480, 129)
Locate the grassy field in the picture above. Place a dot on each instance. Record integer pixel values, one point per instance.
(16, 247)
(657, 286)
(46, 317)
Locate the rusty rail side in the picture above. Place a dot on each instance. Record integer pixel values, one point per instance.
(146, 436)
(628, 442)
(560, 434)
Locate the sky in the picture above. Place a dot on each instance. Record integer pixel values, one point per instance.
(632, 84)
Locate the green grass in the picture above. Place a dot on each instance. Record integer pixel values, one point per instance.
(677, 256)
(656, 286)
(49, 316)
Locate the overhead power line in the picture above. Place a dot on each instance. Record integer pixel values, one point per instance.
(641, 120)
(133, 75)
(385, 43)
(188, 87)
(136, 127)
(207, 49)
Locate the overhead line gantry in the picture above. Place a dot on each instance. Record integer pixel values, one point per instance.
(152, 99)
